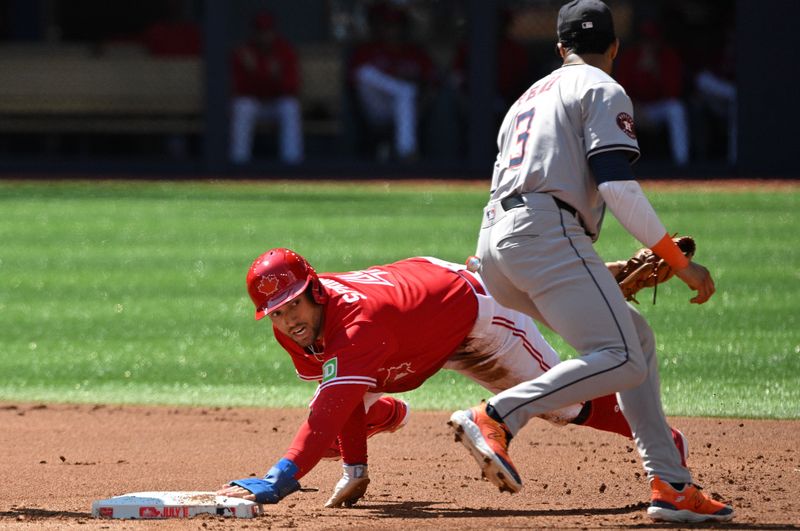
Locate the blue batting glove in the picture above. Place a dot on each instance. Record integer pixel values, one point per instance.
(276, 485)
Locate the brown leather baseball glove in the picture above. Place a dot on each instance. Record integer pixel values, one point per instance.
(645, 269)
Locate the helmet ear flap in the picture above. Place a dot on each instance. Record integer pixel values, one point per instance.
(317, 291)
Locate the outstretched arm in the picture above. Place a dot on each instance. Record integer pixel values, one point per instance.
(330, 411)
(630, 206)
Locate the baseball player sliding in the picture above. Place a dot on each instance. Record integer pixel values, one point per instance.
(387, 329)
(565, 148)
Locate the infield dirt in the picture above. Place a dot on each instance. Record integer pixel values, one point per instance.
(57, 459)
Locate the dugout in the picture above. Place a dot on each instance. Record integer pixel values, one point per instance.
(80, 94)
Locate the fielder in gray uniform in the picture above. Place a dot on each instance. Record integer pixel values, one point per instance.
(565, 149)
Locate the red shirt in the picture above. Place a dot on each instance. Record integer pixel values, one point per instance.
(174, 39)
(385, 329)
(407, 61)
(648, 79)
(266, 74)
(512, 69)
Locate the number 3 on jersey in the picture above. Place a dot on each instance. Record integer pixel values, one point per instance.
(522, 127)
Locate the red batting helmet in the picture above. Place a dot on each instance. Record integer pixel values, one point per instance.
(278, 276)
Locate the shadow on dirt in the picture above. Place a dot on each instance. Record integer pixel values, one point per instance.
(429, 509)
(41, 513)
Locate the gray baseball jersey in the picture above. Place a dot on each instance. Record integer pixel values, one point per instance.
(540, 259)
(550, 132)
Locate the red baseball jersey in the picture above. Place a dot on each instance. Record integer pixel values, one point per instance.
(384, 326)
(266, 75)
(386, 329)
(406, 61)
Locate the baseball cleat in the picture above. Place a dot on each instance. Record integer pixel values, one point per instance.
(396, 421)
(487, 441)
(686, 505)
(682, 444)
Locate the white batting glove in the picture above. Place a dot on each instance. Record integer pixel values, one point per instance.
(351, 487)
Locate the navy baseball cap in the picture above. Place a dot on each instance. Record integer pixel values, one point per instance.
(585, 20)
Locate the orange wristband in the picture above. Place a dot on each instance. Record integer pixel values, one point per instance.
(670, 252)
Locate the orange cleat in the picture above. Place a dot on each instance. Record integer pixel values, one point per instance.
(487, 440)
(685, 505)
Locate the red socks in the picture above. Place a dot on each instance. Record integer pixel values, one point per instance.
(604, 414)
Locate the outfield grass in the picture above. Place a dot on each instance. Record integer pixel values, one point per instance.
(135, 293)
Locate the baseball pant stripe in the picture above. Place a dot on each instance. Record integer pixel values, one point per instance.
(525, 342)
(613, 316)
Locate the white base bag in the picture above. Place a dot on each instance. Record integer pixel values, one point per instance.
(174, 504)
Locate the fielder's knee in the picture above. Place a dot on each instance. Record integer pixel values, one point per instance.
(638, 371)
(633, 372)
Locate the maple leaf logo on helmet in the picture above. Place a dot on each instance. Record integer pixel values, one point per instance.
(268, 285)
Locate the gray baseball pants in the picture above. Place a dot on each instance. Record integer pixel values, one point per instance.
(537, 259)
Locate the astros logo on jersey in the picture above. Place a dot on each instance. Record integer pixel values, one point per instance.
(625, 122)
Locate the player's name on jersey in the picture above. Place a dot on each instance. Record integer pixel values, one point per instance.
(348, 294)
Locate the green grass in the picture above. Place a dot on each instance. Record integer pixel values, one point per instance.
(134, 293)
